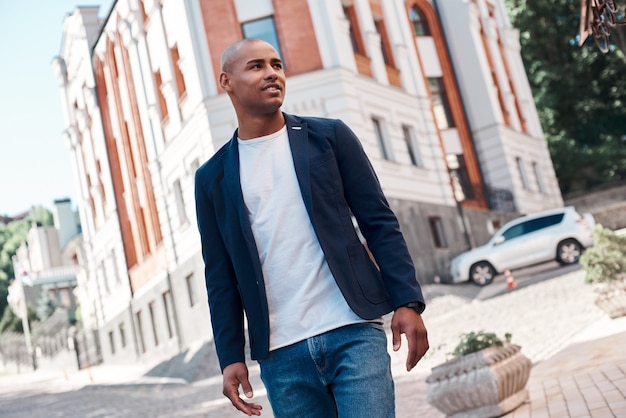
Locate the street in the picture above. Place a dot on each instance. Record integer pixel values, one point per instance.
(550, 309)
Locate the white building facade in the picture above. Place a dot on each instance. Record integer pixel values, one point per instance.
(143, 110)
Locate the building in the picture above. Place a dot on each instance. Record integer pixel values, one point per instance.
(47, 262)
(436, 91)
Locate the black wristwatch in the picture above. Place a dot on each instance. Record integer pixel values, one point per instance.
(416, 306)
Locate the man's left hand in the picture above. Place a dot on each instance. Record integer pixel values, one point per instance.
(408, 322)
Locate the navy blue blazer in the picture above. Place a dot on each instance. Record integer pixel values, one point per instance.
(336, 180)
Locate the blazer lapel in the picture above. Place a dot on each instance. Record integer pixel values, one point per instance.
(233, 189)
(299, 143)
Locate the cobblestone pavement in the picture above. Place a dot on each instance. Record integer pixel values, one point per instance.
(552, 318)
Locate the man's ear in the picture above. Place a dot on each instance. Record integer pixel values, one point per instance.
(224, 81)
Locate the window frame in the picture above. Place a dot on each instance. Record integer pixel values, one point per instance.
(443, 118)
(421, 22)
(383, 146)
(438, 232)
(273, 40)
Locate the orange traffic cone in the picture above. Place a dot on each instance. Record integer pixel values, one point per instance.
(510, 281)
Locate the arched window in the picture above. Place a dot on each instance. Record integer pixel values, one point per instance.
(420, 25)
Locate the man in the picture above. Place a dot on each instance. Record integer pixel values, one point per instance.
(274, 209)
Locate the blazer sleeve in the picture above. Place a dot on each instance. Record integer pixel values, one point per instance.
(223, 296)
(376, 220)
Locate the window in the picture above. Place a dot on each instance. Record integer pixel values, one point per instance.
(105, 279)
(384, 152)
(538, 178)
(190, 290)
(522, 173)
(264, 29)
(166, 307)
(180, 80)
(464, 180)
(532, 225)
(355, 33)
(513, 232)
(122, 335)
(153, 323)
(180, 203)
(162, 103)
(142, 342)
(420, 25)
(116, 273)
(411, 146)
(143, 11)
(112, 342)
(436, 229)
(379, 24)
(441, 107)
(194, 165)
(541, 223)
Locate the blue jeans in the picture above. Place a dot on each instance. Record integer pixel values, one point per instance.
(343, 373)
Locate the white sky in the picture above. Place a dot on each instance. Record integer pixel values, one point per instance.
(35, 166)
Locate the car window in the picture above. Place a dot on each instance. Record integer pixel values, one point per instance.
(544, 222)
(531, 226)
(513, 232)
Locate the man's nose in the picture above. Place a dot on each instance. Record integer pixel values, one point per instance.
(270, 72)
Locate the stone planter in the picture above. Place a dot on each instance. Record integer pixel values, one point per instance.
(611, 297)
(488, 383)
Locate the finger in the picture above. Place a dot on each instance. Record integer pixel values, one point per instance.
(396, 337)
(418, 346)
(245, 407)
(412, 356)
(247, 388)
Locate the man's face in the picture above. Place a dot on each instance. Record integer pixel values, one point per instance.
(254, 79)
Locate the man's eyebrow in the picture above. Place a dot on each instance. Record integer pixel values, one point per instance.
(261, 60)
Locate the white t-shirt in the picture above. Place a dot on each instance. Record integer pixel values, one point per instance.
(303, 297)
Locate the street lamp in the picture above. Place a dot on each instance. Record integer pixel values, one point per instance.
(599, 18)
(17, 302)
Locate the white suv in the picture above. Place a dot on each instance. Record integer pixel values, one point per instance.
(560, 234)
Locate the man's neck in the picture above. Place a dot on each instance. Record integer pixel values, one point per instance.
(256, 126)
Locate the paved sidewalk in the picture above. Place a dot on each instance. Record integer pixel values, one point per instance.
(578, 353)
(586, 379)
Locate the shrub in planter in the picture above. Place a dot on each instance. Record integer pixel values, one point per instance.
(487, 378)
(476, 341)
(605, 266)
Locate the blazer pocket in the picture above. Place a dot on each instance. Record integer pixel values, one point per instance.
(366, 275)
(322, 158)
(324, 175)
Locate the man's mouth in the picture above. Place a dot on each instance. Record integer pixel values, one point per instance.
(272, 87)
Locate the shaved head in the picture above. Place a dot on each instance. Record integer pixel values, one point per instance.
(230, 53)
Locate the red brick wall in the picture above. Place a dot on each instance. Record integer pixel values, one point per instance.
(222, 28)
(293, 25)
(296, 36)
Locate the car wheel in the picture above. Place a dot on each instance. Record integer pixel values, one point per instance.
(482, 273)
(568, 251)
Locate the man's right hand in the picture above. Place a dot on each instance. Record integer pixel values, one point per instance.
(234, 375)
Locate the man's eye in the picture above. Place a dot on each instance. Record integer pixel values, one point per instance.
(278, 66)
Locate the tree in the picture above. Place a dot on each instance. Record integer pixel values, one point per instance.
(580, 93)
(12, 235)
(10, 322)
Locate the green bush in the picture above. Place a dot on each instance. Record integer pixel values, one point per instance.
(605, 261)
(476, 341)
